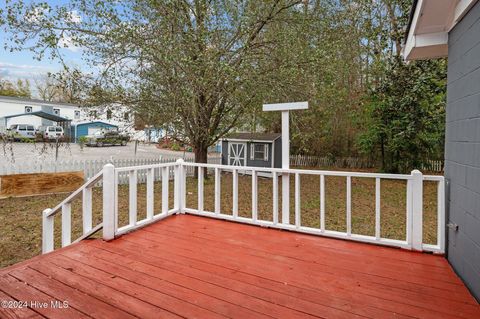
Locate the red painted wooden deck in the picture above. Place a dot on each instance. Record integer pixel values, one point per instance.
(194, 267)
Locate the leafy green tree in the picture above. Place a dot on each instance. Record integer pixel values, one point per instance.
(405, 115)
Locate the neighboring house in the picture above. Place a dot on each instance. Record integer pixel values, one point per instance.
(252, 149)
(150, 134)
(115, 114)
(441, 28)
(15, 110)
(85, 128)
(123, 117)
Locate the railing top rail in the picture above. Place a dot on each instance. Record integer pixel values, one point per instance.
(434, 178)
(132, 168)
(302, 171)
(76, 193)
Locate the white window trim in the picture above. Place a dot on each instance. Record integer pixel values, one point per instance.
(265, 151)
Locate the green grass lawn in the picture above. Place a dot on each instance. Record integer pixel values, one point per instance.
(21, 233)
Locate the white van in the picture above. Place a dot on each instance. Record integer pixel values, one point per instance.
(51, 132)
(18, 131)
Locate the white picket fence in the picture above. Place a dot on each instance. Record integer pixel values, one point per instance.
(319, 161)
(351, 162)
(433, 166)
(91, 167)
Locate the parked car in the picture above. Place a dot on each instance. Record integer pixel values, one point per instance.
(103, 138)
(21, 131)
(51, 132)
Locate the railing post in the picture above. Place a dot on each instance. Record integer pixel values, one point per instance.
(285, 165)
(47, 231)
(109, 202)
(417, 210)
(180, 185)
(441, 215)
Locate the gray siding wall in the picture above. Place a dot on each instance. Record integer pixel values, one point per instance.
(462, 148)
(224, 153)
(278, 153)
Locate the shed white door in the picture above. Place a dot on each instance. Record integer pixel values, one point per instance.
(237, 154)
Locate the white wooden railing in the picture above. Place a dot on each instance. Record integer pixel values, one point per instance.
(65, 208)
(178, 172)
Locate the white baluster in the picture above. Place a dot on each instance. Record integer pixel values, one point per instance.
(66, 224)
(254, 196)
(87, 209)
(377, 208)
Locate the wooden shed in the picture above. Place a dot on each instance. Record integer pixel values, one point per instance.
(252, 149)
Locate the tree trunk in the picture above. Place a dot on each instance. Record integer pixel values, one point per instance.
(201, 156)
(382, 147)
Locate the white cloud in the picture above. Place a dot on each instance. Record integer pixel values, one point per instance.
(73, 16)
(36, 14)
(67, 43)
(13, 72)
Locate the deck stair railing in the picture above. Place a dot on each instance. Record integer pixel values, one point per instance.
(178, 172)
(65, 208)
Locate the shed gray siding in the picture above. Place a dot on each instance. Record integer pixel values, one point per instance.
(462, 148)
(224, 153)
(259, 163)
(277, 153)
(274, 153)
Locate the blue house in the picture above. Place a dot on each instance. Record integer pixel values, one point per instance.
(80, 129)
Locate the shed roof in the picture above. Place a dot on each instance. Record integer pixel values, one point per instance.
(34, 101)
(253, 136)
(92, 122)
(45, 115)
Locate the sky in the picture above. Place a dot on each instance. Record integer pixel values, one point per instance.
(22, 65)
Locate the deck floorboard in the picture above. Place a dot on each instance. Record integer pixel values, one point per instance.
(195, 267)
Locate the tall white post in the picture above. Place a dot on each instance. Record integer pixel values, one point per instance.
(180, 188)
(109, 201)
(417, 210)
(285, 108)
(285, 165)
